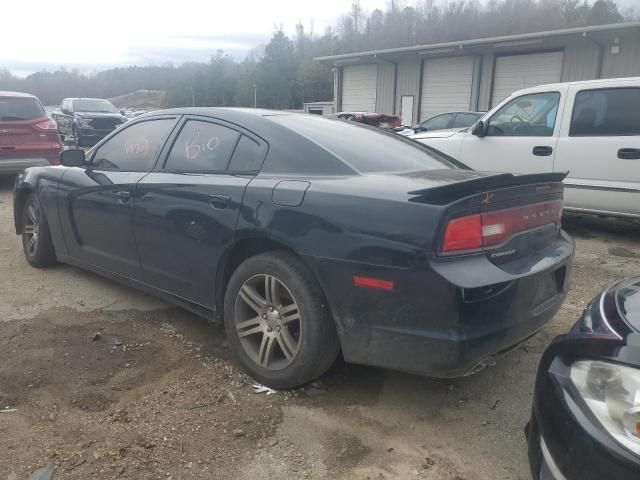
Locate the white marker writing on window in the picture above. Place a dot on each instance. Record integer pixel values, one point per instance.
(193, 148)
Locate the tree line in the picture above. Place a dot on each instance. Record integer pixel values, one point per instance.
(282, 74)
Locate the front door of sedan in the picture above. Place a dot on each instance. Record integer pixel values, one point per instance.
(185, 211)
(96, 201)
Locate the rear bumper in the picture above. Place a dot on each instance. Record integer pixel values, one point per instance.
(430, 325)
(12, 166)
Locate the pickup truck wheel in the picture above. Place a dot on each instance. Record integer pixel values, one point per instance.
(36, 237)
(278, 322)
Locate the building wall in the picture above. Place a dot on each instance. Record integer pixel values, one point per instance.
(486, 74)
(581, 61)
(627, 62)
(408, 84)
(386, 87)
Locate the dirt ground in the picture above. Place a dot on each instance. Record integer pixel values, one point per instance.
(101, 381)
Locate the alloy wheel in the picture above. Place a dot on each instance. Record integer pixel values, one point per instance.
(31, 229)
(267, 321)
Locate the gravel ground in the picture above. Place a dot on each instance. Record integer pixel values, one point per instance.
(101, 381)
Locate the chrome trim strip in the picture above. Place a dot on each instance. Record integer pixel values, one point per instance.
(601, 212)
(604, 316)
(555, 471)
(596, 186)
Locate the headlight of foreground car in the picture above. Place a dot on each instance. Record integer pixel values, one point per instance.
(84, 123)
(612, 393)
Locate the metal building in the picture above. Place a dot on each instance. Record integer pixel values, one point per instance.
(416, 82)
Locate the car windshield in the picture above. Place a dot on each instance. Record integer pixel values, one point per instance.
(20, 109)
(365, 149)
(93, 105)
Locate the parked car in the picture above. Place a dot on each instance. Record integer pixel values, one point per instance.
(590, 129)
(87, 120)
(585, 422)
(379, 120)
(455, 121)
(28, 137)
(308, 236)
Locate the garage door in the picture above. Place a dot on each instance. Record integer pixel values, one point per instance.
(446, 85)
(359, 88)
(515, 72)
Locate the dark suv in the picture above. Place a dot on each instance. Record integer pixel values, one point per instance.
(87, 120)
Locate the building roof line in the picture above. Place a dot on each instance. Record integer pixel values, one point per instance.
(481, 41)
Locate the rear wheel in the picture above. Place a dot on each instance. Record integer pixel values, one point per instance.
(36, 238)
(278, 322)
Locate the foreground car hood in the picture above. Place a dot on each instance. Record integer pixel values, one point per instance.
(628, 302)
(436, 134)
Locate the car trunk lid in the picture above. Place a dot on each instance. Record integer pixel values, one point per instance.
(505, 216)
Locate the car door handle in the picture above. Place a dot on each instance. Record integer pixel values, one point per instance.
(123, 196)
(219, 202)
(542, 151)
(629, 153)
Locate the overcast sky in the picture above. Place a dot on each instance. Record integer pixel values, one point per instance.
(92, 35)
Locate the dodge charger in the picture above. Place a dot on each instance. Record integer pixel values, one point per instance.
(309, 238)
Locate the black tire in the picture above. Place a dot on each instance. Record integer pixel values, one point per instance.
(39, 252)
(317, 340)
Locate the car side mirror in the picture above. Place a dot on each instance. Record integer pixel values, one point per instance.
(122, 112)
(65, 111)
(479, 129)
(73, 158)
(420, 129)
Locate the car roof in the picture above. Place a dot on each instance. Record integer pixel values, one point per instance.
(16, 95)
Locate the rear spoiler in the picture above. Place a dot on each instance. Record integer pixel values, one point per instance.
(475, 185)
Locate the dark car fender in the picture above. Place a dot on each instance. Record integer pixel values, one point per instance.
(45, 182)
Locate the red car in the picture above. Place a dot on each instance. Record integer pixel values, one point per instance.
(379, 120)
(28, 137)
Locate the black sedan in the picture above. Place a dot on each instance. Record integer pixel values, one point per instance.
(585, 422)
(308, 237)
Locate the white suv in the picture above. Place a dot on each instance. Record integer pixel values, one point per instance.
(590, 129)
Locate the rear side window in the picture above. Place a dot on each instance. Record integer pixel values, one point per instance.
(248, 156)
(363, 148)
(134, 148)
(606, 112)
(16, 109)
(202, 147)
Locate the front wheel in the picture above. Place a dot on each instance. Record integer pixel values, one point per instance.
(36, 238)
(278, 321)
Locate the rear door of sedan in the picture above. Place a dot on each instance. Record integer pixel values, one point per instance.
(186, 210)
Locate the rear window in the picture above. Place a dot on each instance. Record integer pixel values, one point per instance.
(12, 109)
(364, 149)
(606, 112)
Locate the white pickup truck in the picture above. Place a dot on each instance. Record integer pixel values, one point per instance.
(590, 129)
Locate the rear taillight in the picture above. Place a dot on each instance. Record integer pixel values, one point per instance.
(46, 125)
(493, 228)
